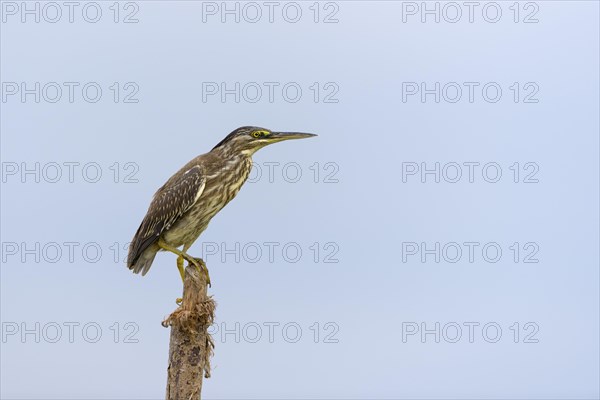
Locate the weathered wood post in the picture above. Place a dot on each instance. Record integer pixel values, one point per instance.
(190, 345)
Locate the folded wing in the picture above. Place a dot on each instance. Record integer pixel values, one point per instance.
(169, 204)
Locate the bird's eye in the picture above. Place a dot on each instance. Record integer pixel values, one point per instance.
(258, 134)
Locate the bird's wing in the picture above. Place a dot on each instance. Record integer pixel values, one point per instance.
(169, 203)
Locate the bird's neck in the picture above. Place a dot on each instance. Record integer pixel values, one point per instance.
(231, 157)
(230, 154)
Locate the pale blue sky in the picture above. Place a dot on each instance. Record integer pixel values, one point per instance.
(356, 282)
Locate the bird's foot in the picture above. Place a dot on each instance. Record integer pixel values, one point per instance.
(201, 268)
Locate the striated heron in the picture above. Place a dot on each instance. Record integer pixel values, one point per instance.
(182, 208)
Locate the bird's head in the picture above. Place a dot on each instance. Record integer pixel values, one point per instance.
(248, 139)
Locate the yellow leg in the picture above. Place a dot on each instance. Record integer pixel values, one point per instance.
(196, 262)
(179, 300)
(180, 267)
(175, 250)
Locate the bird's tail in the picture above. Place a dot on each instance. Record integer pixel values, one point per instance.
(144, 261)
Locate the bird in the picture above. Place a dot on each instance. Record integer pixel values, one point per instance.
(182, 208)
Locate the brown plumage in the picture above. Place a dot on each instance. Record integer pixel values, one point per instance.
(182, 208)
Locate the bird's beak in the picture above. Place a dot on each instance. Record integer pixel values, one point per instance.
(279, 136)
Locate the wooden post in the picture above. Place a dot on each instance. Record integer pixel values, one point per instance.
(190, 345)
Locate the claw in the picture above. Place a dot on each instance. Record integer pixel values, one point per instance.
(201, 268)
